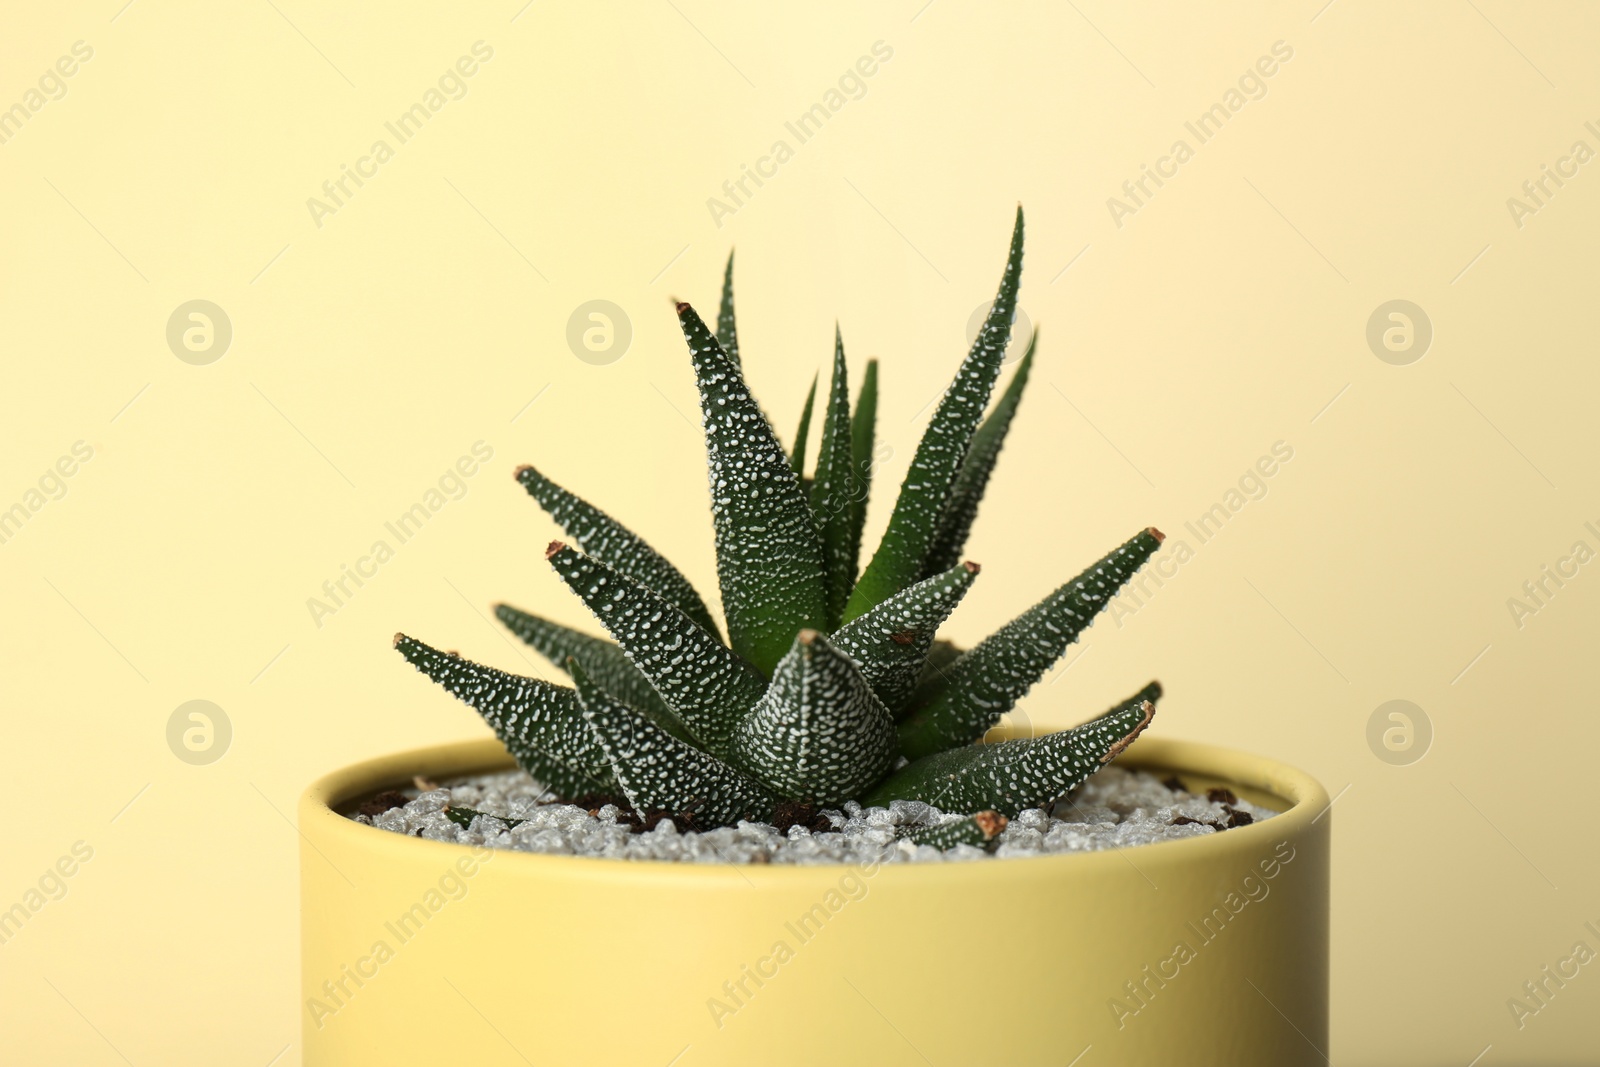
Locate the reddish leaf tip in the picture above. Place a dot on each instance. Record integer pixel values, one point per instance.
(1157, 534)
(553, 548)
(991, 823)
(972, 568)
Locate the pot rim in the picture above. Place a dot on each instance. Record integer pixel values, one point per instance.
(1300, 800)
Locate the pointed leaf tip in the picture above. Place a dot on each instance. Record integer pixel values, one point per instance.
(992, 823)
(959, 704)
(1011, 776)
(603, 537)
(552, 548)
(682, 306)
(972, 568)
(1148, 712)
(818, 732)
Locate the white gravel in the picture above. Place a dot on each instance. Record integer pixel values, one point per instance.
(1116, 808)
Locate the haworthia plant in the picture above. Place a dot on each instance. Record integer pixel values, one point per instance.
(833, 685)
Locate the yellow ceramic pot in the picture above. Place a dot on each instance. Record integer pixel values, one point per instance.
(1209, 950)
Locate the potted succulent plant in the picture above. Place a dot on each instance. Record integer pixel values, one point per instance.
(796, 771)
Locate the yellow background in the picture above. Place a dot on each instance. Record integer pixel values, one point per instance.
(371, 352)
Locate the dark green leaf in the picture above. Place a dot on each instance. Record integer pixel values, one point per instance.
(833, 490)
(863, 427)
(929, 480)
(977, 830)
(769, 559)
(660, 773)
(727, 330)
(539, 723)
(802, 436)
(819, 733)
(604, 661)
(962, 507)
(986, 682)
(607, 540)
(704, 684)
(890, 643)
(940, 657)
(1012, 776)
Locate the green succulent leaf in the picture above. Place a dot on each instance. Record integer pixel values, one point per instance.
(819, 733)
(914, 525)
(977, 830)
(727, 329)
(603, 660)
(769, 558)
(833, 489)
(962, 507)
(1012, 776)
(602, 537)
(802, 436)
(704, 684)
(658, 772)
(863, 427)
(987, 681)
(890, 643)
(940, 657)
(539, 723)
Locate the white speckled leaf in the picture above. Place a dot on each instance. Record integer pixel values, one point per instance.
(914, 524)
(988, 680)
(769, 559)
(708, 687)
(604, 538)
(962, 507)
(658, 772)
(1012, 776)
(606, 663)
(539, 723)
(890, 643)
(727, 328)
(819, 733)
(834, 488)
(976, 830)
